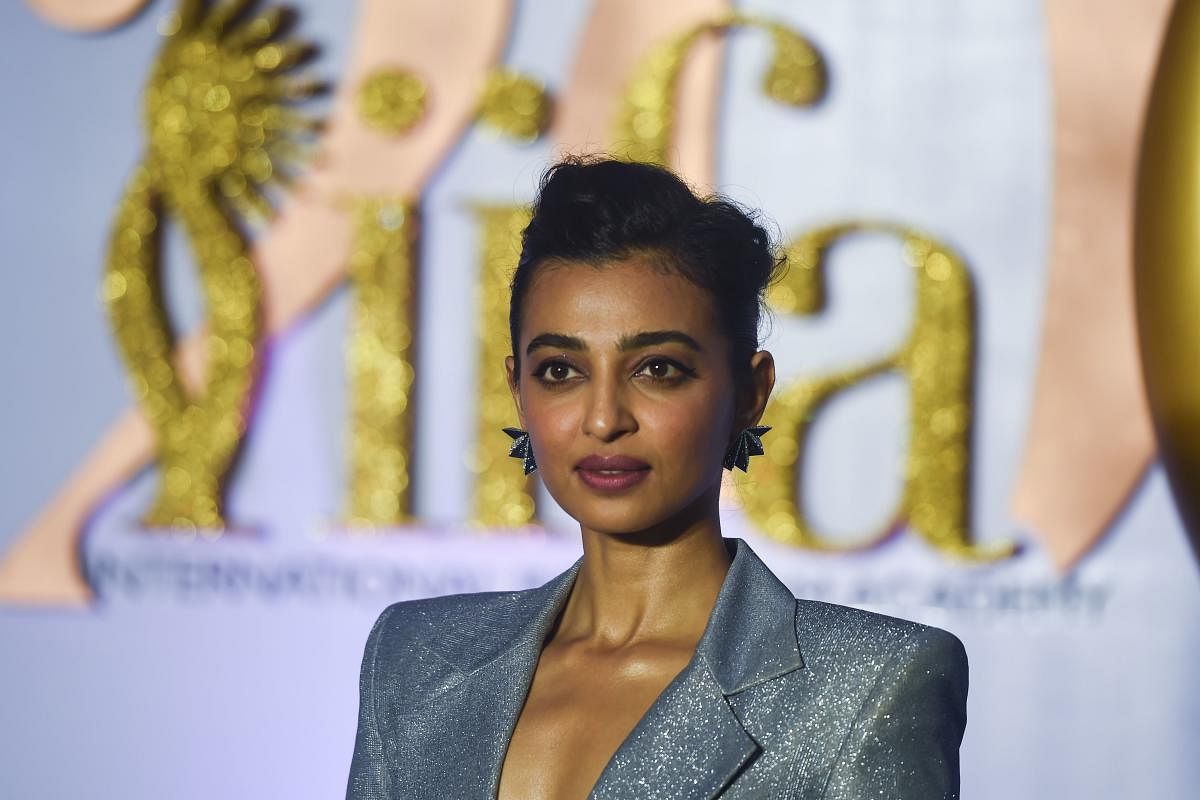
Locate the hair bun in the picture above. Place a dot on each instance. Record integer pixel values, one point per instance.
(596, 209)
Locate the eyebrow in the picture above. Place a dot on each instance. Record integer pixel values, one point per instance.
(624, 344)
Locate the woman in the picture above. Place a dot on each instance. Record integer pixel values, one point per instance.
(668, 662)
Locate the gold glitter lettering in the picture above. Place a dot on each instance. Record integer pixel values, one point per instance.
(392, 101)
(502, 496)
(515, 105)
(936, 359)
(379, 363)
(207, 106)
(644, 126)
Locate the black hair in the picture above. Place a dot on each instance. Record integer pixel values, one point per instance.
(596, 209)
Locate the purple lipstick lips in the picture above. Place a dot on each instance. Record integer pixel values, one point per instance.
(611, 473)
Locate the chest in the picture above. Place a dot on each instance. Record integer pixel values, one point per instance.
(579, 709)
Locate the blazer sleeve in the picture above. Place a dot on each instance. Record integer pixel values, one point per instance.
(904, 742)
(368, 773)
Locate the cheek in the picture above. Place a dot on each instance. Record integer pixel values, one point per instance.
(553, 422)
(690, 434)
(685, 434)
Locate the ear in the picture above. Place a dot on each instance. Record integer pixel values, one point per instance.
(753, 399)
(514, 387)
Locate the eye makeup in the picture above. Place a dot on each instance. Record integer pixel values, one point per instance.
(542, 372)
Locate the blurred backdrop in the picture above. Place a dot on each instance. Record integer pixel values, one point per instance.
(254, 316)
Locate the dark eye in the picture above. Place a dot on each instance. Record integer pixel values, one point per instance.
(554, 372)
(662, 369)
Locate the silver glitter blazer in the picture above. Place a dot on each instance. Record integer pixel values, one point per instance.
(784, 698)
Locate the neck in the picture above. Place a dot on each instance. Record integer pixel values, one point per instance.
(658, 585)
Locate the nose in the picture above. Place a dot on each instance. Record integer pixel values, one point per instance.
(607, 416)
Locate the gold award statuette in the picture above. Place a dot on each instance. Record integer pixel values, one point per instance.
(217, 128)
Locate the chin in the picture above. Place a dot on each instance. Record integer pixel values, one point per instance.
(644, 510)
(613, 521)
(628, 518)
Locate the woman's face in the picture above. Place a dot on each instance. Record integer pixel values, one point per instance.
(624, 360)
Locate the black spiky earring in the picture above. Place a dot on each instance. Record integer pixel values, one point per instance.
(745, 445)
(521, 448)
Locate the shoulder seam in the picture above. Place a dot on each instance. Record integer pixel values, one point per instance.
(866, 699)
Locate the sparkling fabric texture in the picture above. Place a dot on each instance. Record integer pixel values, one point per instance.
(783, 698)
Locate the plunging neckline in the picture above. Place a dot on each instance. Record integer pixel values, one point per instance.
(454, 727)
(498, 768)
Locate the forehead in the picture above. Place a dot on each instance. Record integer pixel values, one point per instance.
(600, 302)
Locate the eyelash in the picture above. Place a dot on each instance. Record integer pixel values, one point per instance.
(540, 372)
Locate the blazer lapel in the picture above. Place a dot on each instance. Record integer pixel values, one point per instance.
(457, 734)
(690, 744)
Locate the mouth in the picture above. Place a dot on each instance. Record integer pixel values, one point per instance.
(611, 473)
